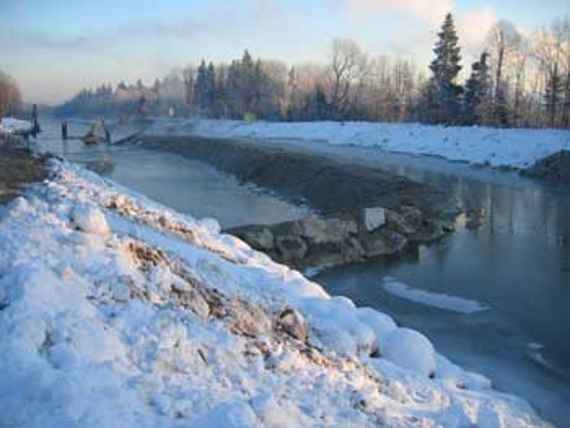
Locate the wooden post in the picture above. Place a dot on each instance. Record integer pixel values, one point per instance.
(64, 130)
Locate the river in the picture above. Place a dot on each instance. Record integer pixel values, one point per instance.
(517, 262)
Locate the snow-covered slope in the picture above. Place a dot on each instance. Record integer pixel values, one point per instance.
(116, 311)
(517, 148)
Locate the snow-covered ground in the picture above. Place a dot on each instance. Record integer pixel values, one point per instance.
(516, 148)
(115, 310)
(9, 125)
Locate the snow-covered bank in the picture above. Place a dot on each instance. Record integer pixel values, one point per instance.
(114, 308)
(9, 125)
(516, 148)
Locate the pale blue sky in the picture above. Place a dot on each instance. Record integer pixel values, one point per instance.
(55, 47)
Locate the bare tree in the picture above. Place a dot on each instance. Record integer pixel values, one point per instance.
(347, 68)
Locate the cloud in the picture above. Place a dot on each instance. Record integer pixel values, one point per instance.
(473, 28)
(430, 11)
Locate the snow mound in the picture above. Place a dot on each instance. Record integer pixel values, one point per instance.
(154, 319)
(89, 219)
(9, 125)
(410, 350)
(436, 300)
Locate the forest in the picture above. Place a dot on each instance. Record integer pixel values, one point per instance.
(518, 81)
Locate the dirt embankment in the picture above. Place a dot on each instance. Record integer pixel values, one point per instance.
(364, 212)
(18, 167)
(554, 169)
(327, 185)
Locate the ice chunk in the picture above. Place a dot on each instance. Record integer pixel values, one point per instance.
(437, 300)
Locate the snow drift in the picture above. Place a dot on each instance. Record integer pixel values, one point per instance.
(115, 308)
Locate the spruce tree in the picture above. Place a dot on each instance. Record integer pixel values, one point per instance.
(553, 94)
(210, 88)
(201, 87)
(445, 92)
(476, 91)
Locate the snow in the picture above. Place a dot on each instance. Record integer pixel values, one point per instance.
(9, 125)
(115, 308)
(429, 298)
(514, 148)
(411, 350)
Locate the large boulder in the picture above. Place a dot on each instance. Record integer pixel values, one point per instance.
(321, 230)
(373, 218)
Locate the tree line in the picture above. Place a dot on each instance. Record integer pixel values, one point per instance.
(517, 81)
(10, 97)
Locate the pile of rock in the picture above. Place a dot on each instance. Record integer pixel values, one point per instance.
(345, 237)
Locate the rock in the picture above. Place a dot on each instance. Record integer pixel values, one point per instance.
(96, 134)
(321, 230)
(258, 237)
(291, 247)
(293, 323)
(373, 218)
(383, 242)
(412, 216)
(398, 223)
(247, 318)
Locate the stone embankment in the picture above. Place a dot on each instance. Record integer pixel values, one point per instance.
(345, 237)
(361, 212)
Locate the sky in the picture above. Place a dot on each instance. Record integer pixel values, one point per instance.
(53, 48)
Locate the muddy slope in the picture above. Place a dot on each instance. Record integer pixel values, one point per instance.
(553, 169)
(327, 185)
(18, 167)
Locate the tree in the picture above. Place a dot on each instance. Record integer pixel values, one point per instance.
(553, 94)
(503, 43)
(188, 76)
(477, 90)
(201, 87)
(10, 96)
(444, 93)
(348, 66)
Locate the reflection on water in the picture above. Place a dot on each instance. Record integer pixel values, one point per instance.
(518, 262)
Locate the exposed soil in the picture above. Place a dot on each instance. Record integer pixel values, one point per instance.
(554, 168)
(326, 185)
(18, 167)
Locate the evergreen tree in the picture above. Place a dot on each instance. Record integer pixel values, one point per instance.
(210, 93)
(201, 87)
(445, 93)
(553, 94)
(476, 91)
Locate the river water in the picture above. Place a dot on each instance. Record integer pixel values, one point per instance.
(189, 186)
(517, 262)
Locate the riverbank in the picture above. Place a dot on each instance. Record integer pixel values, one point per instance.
(126, 310)
(495, 147)
(349, 199)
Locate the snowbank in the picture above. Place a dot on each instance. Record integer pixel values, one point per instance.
(516, 148)
(9, 125)
(115, 308)
(437, 300)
